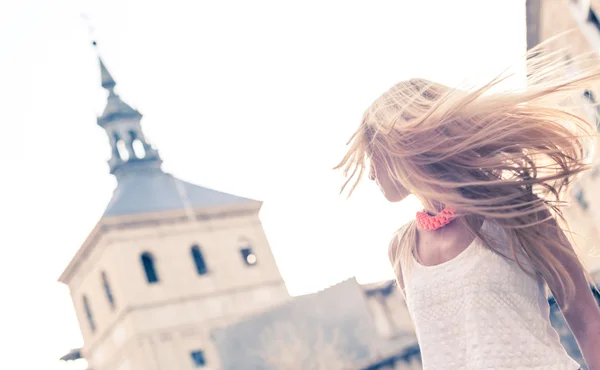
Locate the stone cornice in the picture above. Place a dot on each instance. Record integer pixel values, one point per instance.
(107, 224)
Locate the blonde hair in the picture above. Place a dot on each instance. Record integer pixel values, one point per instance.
(505, 157)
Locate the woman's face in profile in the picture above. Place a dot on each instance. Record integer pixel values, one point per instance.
(392, 191)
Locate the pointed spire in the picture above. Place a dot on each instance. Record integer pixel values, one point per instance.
(115, 107)
(131, 151)
(107, 80)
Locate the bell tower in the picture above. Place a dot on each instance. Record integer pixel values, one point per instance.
(129, 146)
(168, 262)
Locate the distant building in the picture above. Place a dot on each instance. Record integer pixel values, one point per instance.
(347, 326)
(549, 18)
(580, 18)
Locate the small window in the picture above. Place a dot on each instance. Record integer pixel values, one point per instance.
(199, 260)
(108, 291)
(198, 358)
(592, 107)
(581, 200)
(593, 19)
(138, 149)
(149, 268)
(88, 312)
(248, 256)
(122, 148)
(136, 144)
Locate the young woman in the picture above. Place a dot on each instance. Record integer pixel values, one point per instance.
(491, 171)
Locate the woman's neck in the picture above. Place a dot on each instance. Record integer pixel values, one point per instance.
(433, 207)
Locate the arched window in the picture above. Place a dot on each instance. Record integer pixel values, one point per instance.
(199, 260)
(138, 149)
(122, 148)
(108, 291)
(88, 312)
(248, 255)
(149, 268)
(136, 144)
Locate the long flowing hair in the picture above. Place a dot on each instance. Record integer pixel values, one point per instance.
(501, 155)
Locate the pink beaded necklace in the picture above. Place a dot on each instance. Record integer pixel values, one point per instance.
(427, 222)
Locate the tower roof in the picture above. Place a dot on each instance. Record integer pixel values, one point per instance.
(142, 186)
(155, 191)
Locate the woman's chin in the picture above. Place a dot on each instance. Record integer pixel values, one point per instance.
(393, 198)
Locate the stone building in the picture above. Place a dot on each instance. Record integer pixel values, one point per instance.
(347, 326)
(167, 262)
(578, 23)
(172, 267)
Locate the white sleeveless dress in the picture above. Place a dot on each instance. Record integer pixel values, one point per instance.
(481, 311)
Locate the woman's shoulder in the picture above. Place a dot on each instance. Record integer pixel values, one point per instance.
(399, 234)
(399, 240)
(396, 251)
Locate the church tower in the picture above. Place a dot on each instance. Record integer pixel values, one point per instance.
(167, 263)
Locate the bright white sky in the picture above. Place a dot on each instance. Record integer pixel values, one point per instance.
(283, 82)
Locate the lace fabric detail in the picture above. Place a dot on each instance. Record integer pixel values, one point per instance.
(482, 311)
